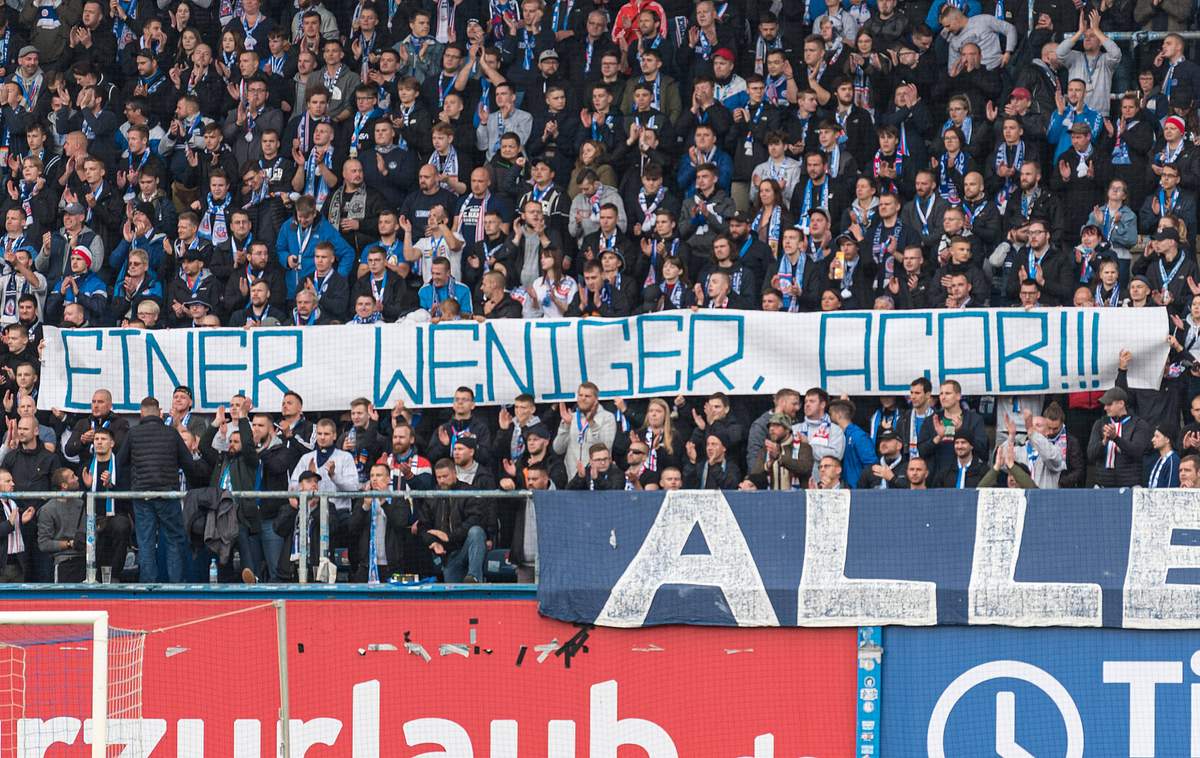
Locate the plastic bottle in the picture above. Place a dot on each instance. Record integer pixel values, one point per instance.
(212, 571)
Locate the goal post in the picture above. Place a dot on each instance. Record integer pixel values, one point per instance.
(98, 621)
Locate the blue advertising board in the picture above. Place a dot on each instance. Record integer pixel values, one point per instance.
(1050, 693)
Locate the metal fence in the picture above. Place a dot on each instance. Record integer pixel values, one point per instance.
(1140, 38)
(304, 498)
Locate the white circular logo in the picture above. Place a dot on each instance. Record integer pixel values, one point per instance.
(1006, 745)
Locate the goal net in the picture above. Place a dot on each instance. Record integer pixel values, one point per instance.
(55, 667)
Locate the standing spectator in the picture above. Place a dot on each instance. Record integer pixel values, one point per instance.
(966, 469)
(1165, 471)
(859, 454)
(583, 427)
(154, 454)
(335, 467)
(713, 470)
(1118, 442)
(1095, 64)
(599, 473)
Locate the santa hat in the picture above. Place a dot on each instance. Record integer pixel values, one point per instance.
(83, 252)
(1177, 122)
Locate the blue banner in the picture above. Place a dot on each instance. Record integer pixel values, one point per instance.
(1045, 692)
(1114, 558)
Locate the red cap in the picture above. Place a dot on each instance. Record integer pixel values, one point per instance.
(1021, 92)
(1176, 121)
(724, 52)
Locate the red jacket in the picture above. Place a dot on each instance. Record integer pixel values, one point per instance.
(625, 24)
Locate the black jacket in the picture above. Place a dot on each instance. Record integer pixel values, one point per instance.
(454, 516)
(243, 470)
(726, 477)
(154, 453)
(1132, 445)
(609, 480)
(947, 477)
(30, 469)
(397, 539)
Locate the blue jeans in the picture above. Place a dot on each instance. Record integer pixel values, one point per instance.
(468, 559)
(150, 518)
(251, 548)
(272, 545)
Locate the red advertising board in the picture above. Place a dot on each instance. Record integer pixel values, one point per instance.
(477, 679)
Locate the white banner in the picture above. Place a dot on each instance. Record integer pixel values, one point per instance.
(990, 351)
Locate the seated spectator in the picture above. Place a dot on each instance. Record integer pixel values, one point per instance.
(453, 529)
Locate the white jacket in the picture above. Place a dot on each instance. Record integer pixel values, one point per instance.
(343, 479)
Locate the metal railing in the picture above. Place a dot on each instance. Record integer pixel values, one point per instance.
(1142, 37)
(321, 496)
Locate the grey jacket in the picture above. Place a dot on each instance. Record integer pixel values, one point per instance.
(212, 515)
(567, 443)
(60, 519)
(487, 135)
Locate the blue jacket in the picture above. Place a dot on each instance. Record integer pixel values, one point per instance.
(155, 245)
(859, 454)
(288, 243)
(1166, 475)
(456, 290)
(686, 176)
(1058, 133)
(93, 296)
(973, 8)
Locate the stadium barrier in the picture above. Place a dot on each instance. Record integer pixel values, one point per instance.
(480, 673)
(497, 678)
(323, 498)
(442, 668)
(1143, 37)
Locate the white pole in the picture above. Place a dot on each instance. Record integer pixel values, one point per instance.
(100, 686)
(285, 711)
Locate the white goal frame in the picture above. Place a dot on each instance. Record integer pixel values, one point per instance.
(98, 621)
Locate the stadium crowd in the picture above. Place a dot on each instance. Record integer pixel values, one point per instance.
(251, 163)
